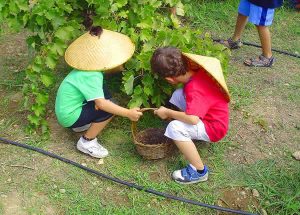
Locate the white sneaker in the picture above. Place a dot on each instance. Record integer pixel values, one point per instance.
(82, 128)
(93, 148)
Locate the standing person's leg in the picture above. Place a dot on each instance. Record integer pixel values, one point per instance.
(234, 42)
(241, 21)
(265, 40)
(239, 27)
(262, 18)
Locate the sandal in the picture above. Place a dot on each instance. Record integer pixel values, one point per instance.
(261, 61)
(229, 43)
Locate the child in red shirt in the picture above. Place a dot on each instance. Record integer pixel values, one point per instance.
(204, 103)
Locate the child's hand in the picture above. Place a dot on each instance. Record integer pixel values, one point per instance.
(162, 112)
(134, 114)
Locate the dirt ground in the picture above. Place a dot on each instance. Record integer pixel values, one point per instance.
(267, 126)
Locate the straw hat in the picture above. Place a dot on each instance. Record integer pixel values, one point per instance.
(99, 49)
(213, 68)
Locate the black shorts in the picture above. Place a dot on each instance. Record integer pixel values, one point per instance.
(89, 114)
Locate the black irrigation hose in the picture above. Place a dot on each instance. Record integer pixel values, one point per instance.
(259, 46)
(138, 187)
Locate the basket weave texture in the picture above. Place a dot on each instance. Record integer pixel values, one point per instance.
(150, 151)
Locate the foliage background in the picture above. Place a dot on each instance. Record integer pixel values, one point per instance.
(55, 23)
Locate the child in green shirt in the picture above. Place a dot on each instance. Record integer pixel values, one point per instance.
(82, 103)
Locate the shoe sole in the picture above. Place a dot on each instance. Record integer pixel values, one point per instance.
(258, 66)
(191, 182)
(91, 154)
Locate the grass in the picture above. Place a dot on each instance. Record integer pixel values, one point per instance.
(85, 193)
(242, 96)
(276, 179)
(277, 182)
(294, 87)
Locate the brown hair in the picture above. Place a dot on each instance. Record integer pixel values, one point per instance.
(168, 62)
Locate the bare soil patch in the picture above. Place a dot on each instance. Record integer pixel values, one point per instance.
(238, 199)
(266, 127)
(14, 53)
(12, 204)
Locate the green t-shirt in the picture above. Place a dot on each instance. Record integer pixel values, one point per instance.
(75, 90)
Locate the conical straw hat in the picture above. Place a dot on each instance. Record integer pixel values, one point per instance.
(213, 68)
(104, 52)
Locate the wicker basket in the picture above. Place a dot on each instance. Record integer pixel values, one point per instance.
(150, 151)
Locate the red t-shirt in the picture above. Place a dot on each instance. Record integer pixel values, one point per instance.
(206, 100)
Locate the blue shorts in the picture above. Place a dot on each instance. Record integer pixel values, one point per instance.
(89, 114)
(257, 15)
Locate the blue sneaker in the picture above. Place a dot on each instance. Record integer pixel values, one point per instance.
(188, 175)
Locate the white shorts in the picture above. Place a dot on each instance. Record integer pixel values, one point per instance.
(181, 131)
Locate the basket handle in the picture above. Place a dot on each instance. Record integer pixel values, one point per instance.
(134, 124)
